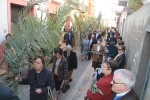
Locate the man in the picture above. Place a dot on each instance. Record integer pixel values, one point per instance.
(122, 84)
(7, 94)
(112, 38)
(97, 35)
(69, 38)
(72, 61)
(92, 42)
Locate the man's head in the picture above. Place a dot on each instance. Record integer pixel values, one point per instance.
(68, 48)
(93, 36)
(123, 81)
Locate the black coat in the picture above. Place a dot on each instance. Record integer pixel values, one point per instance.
(42, 80)
(113, 39)
(98, 37)
(121, 60)
(131, 95)
(93, 42)
(7, 94)
(113, 51)
(72, 60)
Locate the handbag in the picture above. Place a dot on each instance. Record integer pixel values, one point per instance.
(49, 94)
(65, 87)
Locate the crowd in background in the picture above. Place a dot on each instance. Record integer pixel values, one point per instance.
(112, 80)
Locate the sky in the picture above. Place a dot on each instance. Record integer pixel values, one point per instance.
(105, 6)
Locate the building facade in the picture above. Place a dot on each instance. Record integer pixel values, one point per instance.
(10, 9)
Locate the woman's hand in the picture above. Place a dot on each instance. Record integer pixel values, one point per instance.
(38, 91)
(18, 78)
(65, 81)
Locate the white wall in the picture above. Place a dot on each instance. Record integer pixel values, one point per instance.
(146, 2)
(3, 20)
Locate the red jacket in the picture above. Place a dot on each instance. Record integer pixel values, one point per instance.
(105, 86)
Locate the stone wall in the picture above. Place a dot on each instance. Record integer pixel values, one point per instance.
(137, 41)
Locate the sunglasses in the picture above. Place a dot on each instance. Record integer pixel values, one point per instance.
(119, 49)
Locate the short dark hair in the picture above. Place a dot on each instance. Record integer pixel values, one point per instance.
(112, 43)
(119, 37)
(59, 50)
(121, 43)
(112, 64)
(7, 36)
(42, 59)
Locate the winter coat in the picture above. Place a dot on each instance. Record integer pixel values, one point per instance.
(41, 80)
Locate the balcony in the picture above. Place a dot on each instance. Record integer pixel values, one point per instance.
(122, 2)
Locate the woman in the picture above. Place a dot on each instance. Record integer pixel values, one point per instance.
(85, 47)
(103, 84)
(39, 78)
(59, 70)
(98, 51)
(121, 58)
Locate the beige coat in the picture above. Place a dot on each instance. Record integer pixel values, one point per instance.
(98, 57)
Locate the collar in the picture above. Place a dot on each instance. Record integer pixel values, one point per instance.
(122, 94)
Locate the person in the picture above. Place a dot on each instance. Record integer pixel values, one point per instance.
(59, 70)
(122, 85)
(85, 47)
(118, 40)
(113, 50)
(104, 84)
(69, 38)
(97, 35)
(7, 94)
(112, 38)
(120, 58)
(72, 61)
(98, 51)
(121, 42)
(92, 42)
(6, 45)
(39, 78)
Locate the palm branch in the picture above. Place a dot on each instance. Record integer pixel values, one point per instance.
(32, 35)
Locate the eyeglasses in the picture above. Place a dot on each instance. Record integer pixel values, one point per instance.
(119, 49)
(116, 82)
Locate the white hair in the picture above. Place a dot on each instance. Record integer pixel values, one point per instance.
(126, 77)
(69, 47)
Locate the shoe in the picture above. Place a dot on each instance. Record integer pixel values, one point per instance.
(70, 80)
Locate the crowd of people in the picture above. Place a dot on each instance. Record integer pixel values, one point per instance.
(114, 81)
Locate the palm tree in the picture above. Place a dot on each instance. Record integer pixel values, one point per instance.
(34, 36)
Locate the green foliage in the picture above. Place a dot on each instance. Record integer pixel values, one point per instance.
(32, 35)
(83, 26)
(135, 5)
